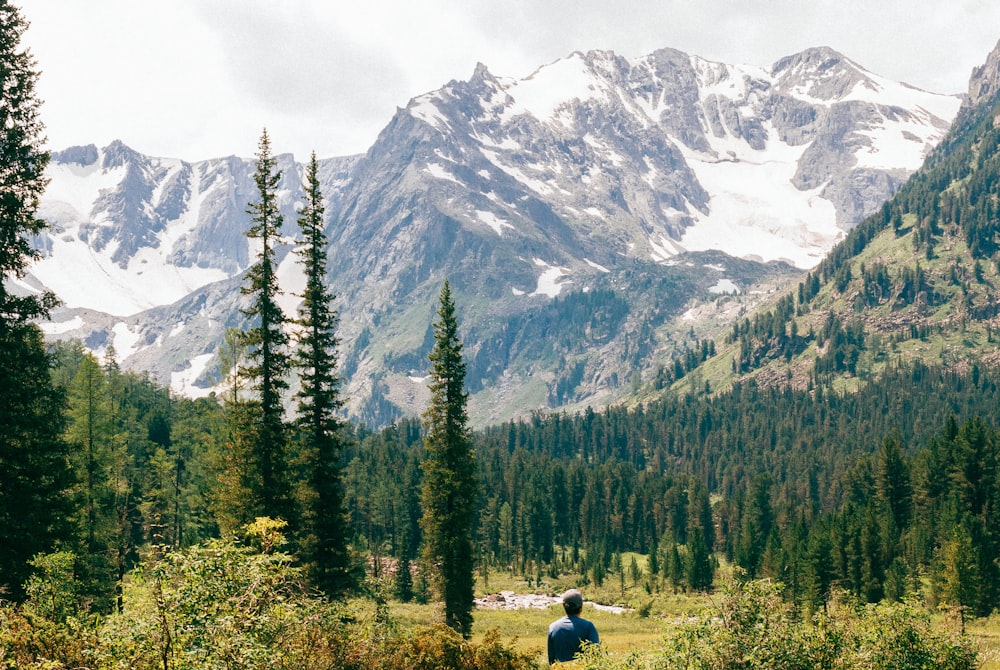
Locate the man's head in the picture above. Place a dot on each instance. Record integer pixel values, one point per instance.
(572, 602)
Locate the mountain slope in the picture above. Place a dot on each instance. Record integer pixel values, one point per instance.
(578, 212)
(918, 281)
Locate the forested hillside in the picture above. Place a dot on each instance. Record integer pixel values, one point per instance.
(887, 492)
(865, 490)
(917, 281)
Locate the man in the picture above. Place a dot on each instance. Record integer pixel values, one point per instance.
(567, 634)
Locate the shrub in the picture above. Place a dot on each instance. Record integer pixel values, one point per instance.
(441, 647)
(755, 629)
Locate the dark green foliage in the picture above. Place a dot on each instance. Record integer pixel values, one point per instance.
(141, 460)
(699, 568)
(815, 489)
(229, 604)
(843, 345)
(35, 477)
(34, 474)
(262, 434)
(22, 180)
(450, 486)
(321, 434)
(753, 628)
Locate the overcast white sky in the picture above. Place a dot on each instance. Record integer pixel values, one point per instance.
(197, 79)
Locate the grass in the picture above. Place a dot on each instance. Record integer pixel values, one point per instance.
(986, 633)
(619, 632)
(635, 631)
(640, 629)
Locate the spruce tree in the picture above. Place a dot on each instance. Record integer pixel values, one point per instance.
(34, 470)
(22, 177)
(324, 532)
(450, 480)
(34, 460)
(262, 430)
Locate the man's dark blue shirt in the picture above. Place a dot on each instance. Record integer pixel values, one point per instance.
(565, 636)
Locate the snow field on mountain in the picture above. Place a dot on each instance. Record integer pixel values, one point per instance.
(900, 141)
(542, 93)
(82, 277)
(182, 382)
(755, 211)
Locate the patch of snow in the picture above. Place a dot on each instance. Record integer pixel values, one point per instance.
(53, 328)
(900, 142)
(292, 281)
(688, 315)
(485, 174)
(615, 158)
(76, 188)
(182, 382)
(535, 185)
(516, 291)
(663, 247)
(417, 380)
(437, 171)
(507, 143)
(550, 87)
(125, 341)
(82, 277)
(888, 93)
(755, 210)
(549, 281)
(596, 266)
(493, 221)
(176, 330)
(593, 211)
(423, 108)
(724, 286)
(726, 81)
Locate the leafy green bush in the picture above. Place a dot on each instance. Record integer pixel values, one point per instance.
(755, 629)
(222, 605)
(441, 647)
(32, 642)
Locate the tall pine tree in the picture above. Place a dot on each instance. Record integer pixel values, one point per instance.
(450, 481)
(34, 469)
(261, 432)
(324, 522)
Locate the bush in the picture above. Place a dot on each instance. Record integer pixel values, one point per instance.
(31, 642)
(441, 647)
(226, 604)
(755, 629)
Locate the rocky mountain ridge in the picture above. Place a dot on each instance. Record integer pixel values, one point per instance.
(596, 174)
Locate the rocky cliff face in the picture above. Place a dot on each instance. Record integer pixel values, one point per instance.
(984, 83)
(554, 203)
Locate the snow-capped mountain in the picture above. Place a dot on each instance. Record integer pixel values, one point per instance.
(596, 174)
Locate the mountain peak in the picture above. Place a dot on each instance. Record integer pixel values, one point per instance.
(820, 73)
(118, 153)
(80, 155)
(984, 83)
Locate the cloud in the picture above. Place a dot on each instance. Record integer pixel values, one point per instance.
(196, 79)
